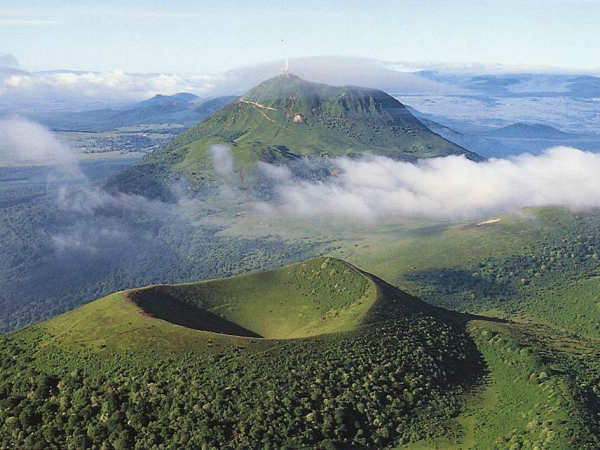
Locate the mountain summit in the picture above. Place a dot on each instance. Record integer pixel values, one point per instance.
(283, 119)
(290, 91)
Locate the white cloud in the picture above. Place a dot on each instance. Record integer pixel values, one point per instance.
(338, 71)
(66, 90)
(222, 159)
(451, 188)
(25, 142)
(277, 173)
(21, 91)
(91, 220)
(113, 82)
(96, 221)
(482, 68)
(98, 88)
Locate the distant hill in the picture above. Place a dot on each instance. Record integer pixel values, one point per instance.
(179, 109)
(181, 98)
(514, 139)
(529, 131)
(519, 84)
(480, 144)
(286, 118)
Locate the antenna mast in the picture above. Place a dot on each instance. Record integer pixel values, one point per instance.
(286, 71)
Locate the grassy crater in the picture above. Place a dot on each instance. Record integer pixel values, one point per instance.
(320, 296)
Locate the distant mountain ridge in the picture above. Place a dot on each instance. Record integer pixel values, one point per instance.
(522, 130)
(509, 140)
(180, 109)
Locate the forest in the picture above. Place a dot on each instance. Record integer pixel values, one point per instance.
(395, 381)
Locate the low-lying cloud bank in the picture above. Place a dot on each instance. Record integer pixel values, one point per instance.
(89, 90)
(26, 142)
(85, 218)
(68, 90)
(22, 91)
(107, 225)
(368, 189)
(450, 188)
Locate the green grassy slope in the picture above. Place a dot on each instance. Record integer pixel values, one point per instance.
(549, 273)
(528, 402)
(529, 398)
(539, 264)
(318, 354)
(319, 296)
(307, 299)
(313, 298)
(283, 119)
(369, 366)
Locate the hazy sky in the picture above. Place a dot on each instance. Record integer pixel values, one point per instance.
(212, 36)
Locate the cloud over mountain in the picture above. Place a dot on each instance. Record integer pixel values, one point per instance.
(337, 71)
(450, 188)
(89, 90)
